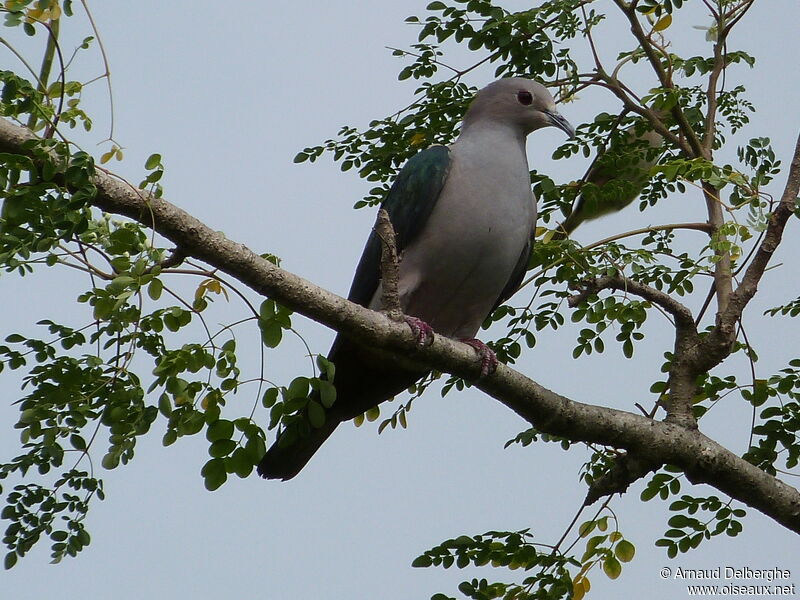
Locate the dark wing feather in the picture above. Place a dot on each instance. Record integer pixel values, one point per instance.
(361, 385)
(409, 203)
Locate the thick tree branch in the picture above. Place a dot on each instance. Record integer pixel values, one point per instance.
(703, 460)
(717, 345)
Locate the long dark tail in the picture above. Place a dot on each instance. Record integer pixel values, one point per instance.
(286, 461)
(359, 387)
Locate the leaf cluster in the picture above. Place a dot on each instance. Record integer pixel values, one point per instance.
(512, 550)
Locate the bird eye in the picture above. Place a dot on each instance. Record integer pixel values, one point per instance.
(524, 97)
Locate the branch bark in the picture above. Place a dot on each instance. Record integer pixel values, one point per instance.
(715, 347)
(390, 271)
(703, 460)
(682, 374)
(681, 314)
(723, 280)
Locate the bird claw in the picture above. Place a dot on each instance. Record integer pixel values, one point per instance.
(421, 330)
(487, 356)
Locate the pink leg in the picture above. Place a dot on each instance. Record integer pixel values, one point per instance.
(422, 331)
(488, 359)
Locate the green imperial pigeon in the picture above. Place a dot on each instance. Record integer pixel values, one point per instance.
(464, 217)
(617, 177)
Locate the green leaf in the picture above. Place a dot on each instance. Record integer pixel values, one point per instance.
(627, 348)
(298, 388)
(271, 333)
(214, 474)
(221, 429)
(270, 397)
(327, 393)
(58, 536)
(221, 448)
(152, 162)
(663, 23)
(155, 288)
(373, 413)
(110, 460)
(10, 560)
(316, 414)
(679, 521)
(648, 493)
(326, 366)
(165, 405)
(240, 463)
(624, 551)
(422, 562)
(612, 567)
(107, 156)
(580, 586)
(586, 528)
(267, 310)
(256, 448)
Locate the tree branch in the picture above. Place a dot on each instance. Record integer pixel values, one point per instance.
(723, 278)
(734, 15)
(682, 374)
(703, 460)
(626, 470)
(647, 47)
(683, 316)
(709, 126)
(717, 345)
(390, 273)
(652, 116)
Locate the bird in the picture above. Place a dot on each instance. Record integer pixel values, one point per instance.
(616, 177)
(464, 217)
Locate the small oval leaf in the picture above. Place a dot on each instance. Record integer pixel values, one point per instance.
(625, 551)
(663, 23)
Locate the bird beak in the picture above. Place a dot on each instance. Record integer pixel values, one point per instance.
(556, 120)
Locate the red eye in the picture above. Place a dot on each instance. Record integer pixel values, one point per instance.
(524, 97)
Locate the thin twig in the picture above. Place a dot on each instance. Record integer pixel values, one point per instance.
(107, 74)
(691, 226)
(647, 46)
(415, 55)
(681, 313)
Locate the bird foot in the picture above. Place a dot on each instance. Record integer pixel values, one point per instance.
(488, 357)
(421, 330)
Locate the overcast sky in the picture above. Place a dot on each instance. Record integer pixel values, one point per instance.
(228, 96)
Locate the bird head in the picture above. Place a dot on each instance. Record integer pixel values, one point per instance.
(523, 103)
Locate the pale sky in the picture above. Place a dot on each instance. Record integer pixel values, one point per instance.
(228, 96)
